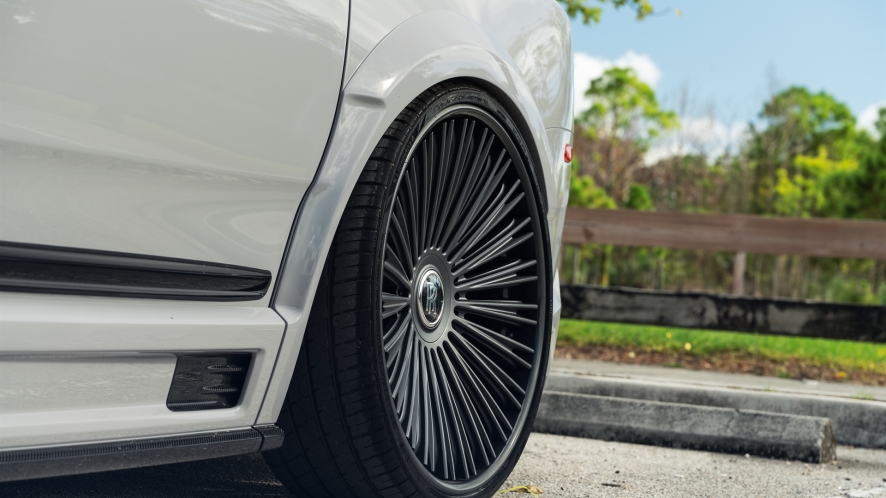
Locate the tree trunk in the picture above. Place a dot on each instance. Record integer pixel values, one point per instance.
(738, 271)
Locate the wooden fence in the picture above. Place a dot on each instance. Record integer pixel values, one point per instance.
(736, 233)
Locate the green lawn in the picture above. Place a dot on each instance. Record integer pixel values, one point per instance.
(855, 355)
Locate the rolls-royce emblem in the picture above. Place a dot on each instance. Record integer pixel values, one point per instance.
(430, 298)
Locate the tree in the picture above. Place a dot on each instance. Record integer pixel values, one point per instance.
(861, 192)
(625, 117)
(591, 14)
(798, 123)
(803, 121)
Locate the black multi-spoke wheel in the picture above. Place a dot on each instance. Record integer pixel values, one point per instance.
(460, 293)
(428, 340)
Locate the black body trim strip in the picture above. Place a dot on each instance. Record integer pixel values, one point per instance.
(60, 460)
(64, 270)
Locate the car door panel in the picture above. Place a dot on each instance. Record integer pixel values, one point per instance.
(186, 129)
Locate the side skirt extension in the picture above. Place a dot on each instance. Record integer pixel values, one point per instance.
(60, 460)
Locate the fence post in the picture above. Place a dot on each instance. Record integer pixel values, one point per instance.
(738, 270)
(576, 260)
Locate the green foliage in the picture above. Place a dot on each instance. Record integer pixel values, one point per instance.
(841, 288)
(584, 192)
(639, 199)
(881, 123)
(804, 193)
(861, 192)
(801, 124)
(804, 121)
(811, 161)
(591, 14)
(848, 354)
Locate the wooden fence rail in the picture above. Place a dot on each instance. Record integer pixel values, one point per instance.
(727, 232)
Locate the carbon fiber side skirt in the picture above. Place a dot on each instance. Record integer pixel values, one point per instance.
(60, 460)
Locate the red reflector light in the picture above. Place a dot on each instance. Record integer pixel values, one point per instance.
(567, 154)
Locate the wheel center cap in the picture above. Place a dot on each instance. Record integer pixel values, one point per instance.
(429, 298)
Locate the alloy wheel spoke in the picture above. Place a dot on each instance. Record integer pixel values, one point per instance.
(497, 344)
(491, 253)
(482, 401)
(497, 379)
(497, 277)
(456, 419)
(481, 221)
(476, 171)
(394, 338)
(413, 210)
(495, 310)
(394, 271)
(400, 229)
(478, 432)
(392, 304)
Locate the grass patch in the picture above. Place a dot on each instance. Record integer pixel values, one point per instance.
(845, 354)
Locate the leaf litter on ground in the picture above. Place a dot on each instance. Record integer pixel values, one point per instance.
(533, 490)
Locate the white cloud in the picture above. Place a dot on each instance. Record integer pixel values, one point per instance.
(869, 115)
(705, 135)
(646, 69)
(587, 67)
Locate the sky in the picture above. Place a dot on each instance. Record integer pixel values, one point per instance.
(727, 56)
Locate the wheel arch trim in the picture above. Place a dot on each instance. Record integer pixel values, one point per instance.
(425, 50)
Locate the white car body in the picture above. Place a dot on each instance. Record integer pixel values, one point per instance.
(229, 132)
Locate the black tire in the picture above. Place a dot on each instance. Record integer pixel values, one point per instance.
(342, 415)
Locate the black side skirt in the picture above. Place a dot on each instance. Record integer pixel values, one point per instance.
(65, 270)
(60, 460)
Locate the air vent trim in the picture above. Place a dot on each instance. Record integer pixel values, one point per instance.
(196, 385)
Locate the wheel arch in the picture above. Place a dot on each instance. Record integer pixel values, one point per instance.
(425, 50)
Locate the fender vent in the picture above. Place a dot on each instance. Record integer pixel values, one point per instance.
(207, 382)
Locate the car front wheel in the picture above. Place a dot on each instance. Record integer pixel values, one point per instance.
(428, 340)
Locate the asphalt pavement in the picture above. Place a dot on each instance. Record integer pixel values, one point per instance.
(573, 467)
(560, 466)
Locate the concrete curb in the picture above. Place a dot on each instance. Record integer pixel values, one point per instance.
(724, 430)
(855, 422)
